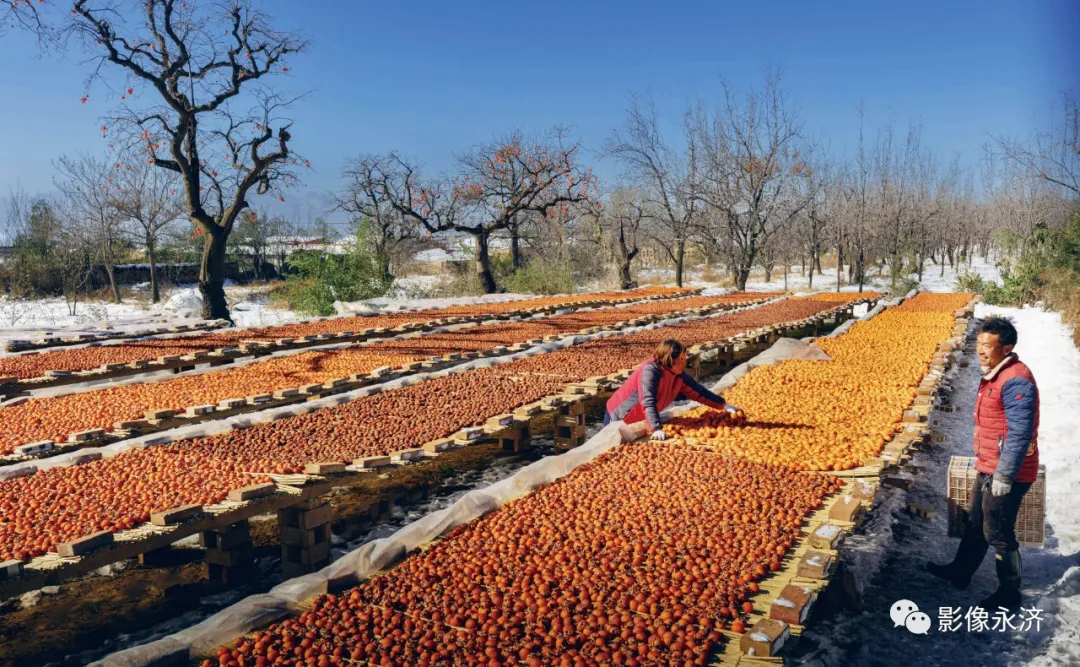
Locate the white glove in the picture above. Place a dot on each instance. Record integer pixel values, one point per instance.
(731, 408)
(658, 434)
(1000, 487)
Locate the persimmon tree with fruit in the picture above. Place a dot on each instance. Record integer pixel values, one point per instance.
(196, 99)
(493, 184)
(21, 14)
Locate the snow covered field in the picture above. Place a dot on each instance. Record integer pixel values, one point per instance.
(249, 307)
(888, 554)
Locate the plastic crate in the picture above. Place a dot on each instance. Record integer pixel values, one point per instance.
(1030, 522)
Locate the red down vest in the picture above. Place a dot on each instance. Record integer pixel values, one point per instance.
(1007, 423)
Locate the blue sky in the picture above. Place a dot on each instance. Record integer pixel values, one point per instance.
(430, 78)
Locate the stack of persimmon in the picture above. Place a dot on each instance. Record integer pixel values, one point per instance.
(615, 353)
(61, 504)
(374, 425)
(832, 415)
(641, 557)
(85, 358)
(54, 418)
(842, 297)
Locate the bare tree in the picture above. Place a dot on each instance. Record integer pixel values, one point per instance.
(187, 66)
(822, 217)
(19, 204)
(1053, 154)
(667, 176)
(494, 183)
(622, 219)
(756, 174)
(89, 186)
(256, 237)
(856, 209)
(367, 202)
(74, 250)
(148, 201)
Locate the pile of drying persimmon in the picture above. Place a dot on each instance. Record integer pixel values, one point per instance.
(376, 425)
(54, 418)
(641, 557)
(842, 297)
(32, 365)
(61, 504)
(68, 502)
(833, 415)
(615, 353)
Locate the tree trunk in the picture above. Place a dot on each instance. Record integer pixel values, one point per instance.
(515, 248)
(155, 290)
(383, 257)
(742, 274)
(111, 272)
(785, 276)
(212, 277)
(483, 263)
(860, 268)
(839, 263)
(810, 282)
(626, 256)
(680, 259)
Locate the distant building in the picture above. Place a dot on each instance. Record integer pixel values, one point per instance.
(456, 250)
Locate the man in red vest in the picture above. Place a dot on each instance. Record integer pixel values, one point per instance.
(1007, 451)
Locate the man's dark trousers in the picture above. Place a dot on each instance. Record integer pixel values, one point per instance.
(991, 521)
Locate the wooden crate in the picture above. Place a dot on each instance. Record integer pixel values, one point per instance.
(1030, 522)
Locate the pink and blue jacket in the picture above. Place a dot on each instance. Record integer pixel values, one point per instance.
(650, 389)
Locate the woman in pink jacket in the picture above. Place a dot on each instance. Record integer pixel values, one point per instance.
(654, 385)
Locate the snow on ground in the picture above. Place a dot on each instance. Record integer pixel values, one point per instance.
(888, 554)
(249, 306)
(412, 286)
